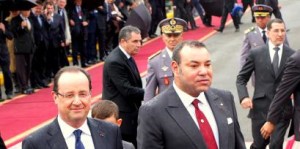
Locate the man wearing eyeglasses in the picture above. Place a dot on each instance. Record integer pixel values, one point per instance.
(159, 75)
(72, 129)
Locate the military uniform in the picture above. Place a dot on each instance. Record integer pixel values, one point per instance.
(160, 75)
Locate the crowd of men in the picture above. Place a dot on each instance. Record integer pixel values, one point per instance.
(181, 109)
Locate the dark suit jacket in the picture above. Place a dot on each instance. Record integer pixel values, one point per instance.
(56, 32)
(40, 32)
(105, 136)
(290, 84)
(120, 83)
(23, 38)
(164, 122)
(78, 30)
(266, 82)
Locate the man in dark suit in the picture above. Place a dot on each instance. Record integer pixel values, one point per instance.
(79, 31)
(22, 29)
(38, 76)
(122, 82)
(289, 85)
(173, 118)
(72, 127)
(267, 63)
(56, 33)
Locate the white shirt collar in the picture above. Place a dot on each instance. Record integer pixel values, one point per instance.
(188, 99)
(123, 50)
(68, 130)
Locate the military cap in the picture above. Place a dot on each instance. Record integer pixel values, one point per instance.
(262, 10)
(172, 25)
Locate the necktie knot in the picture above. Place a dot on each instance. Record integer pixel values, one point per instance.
(77, 133)
(195, 103)
(264, 36)
(276, 49)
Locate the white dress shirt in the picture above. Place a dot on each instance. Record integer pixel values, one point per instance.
(272, 52)
(67, 131)
(203, 106)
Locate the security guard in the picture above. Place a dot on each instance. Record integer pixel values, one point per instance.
(160, 75)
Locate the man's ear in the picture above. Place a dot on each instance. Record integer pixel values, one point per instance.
(119, 122)
(54, 96)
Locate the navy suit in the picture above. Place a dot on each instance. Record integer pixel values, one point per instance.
(105, 136)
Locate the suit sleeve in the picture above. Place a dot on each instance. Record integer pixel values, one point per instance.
(288, 84)
(27, 143)
(244, 76)
(239, 138)
(120, 77)
(149, 135)
(151, 83)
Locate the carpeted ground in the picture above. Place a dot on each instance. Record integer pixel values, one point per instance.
(24, 114)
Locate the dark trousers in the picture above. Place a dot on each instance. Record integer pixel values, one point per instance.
(38, 75)
(52, 61)
(224, 18)
(156, 16)
(78, 46)
(129, 126)
(4, 63)
(247, 3)
(102, 41)
(23, 68)
(276, 139)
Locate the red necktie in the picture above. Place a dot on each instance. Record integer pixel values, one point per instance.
(205, 128)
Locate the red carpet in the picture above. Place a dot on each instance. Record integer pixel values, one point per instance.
(20, 115)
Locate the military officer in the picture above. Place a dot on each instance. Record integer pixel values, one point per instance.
(160, 75)
(256, 36)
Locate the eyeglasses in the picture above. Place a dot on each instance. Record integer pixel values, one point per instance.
(81, 95)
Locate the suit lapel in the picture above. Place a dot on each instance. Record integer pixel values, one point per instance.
(267, 58)
(136, 76)
(56, 139)
(182, 117)
(97, 133)
(285, 55)
(166, 62)
(219, 111)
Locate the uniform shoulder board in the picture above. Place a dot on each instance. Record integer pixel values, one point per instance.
(154, 55)
(249, 30)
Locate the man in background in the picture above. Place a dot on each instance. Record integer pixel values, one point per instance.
(160, 75)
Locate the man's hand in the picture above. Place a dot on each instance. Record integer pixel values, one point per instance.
(267, 129)
(2, 27)
(247, 103)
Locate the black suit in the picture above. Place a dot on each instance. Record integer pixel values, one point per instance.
(290, 84)
(39, 57)
(123, 85)
(56, 34)
(79, 34)
(105, 135)
(266, 82)
(24, 49)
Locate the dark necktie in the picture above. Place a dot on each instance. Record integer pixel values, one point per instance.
(264, 36)
(78, 143)
(205, 128)
(276, 60)
(132, 65)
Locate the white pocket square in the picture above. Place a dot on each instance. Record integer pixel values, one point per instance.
(229, 120)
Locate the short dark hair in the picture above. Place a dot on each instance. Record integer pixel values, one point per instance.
(269, 24)
(105, 109)
(125, 32)
(179, 47)
(70, 69)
